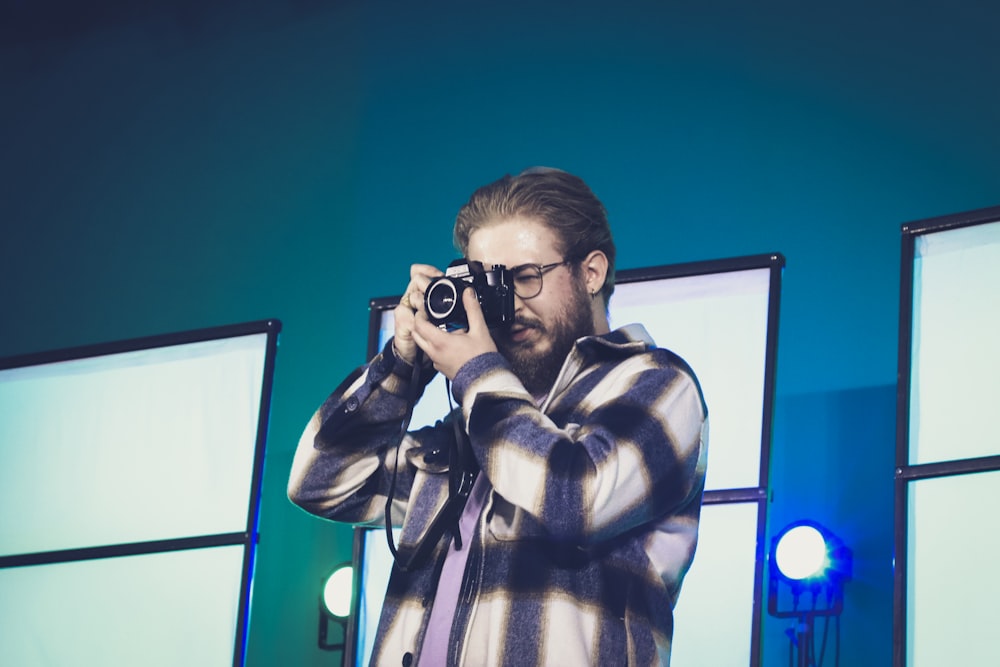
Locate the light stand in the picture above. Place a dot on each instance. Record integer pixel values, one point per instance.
(808, 566)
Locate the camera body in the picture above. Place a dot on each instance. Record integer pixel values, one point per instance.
(494, 289)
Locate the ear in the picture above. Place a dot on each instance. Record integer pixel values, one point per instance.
(595, 270)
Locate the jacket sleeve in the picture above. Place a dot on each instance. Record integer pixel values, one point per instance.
(353, 449)
(623, 445)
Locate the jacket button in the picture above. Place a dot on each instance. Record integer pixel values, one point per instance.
(352, 404)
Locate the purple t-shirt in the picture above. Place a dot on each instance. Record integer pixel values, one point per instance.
(435, 649)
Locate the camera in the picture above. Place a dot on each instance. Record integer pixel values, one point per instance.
(494, 289)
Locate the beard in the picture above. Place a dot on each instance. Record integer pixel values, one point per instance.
(538, 370)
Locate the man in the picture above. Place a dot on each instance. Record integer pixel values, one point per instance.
(590, 446)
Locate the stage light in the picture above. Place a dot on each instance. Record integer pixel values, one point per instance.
(336, 598)
(337, 591)
(801, 552)
(808, 566)
(805, 554)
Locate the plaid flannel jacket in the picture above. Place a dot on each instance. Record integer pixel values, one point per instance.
(591, 522)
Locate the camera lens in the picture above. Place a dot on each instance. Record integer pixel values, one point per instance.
(440, 299)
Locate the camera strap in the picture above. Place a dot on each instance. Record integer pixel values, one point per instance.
(462, 472)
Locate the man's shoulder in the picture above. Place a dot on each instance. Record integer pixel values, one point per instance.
(631, 347)
(629, 341)
(621, 342)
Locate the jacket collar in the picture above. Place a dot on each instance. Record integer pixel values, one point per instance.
(622, 342)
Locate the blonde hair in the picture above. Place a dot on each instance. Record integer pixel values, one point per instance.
(557, 199)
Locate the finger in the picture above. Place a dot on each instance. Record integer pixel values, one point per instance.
(421, 276)
(425, 334)
(403, 333)
(422, 323)
(424, 271)
(409, 298)
(413, 299)
(473, 311)
(403, 316)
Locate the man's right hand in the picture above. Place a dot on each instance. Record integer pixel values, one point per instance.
(410, 303)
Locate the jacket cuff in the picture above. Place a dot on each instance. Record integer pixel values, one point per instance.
(388, 364)
(488, 372)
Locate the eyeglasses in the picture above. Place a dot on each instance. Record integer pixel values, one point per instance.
(528, 277)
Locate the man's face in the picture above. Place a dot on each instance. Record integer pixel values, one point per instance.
(545, 326)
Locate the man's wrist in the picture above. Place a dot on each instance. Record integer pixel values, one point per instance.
(399, 355)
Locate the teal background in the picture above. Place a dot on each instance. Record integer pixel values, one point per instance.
(166, 166)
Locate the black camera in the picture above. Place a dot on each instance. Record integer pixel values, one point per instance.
(494, 289)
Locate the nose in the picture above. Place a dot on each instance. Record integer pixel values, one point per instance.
(518, 304)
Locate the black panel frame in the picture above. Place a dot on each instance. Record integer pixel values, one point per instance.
(250, 535)
(904, 471)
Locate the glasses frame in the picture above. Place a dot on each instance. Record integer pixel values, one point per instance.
(542, 270)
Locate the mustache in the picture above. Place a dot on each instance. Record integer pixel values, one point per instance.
(526, 323)
(519, 323)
